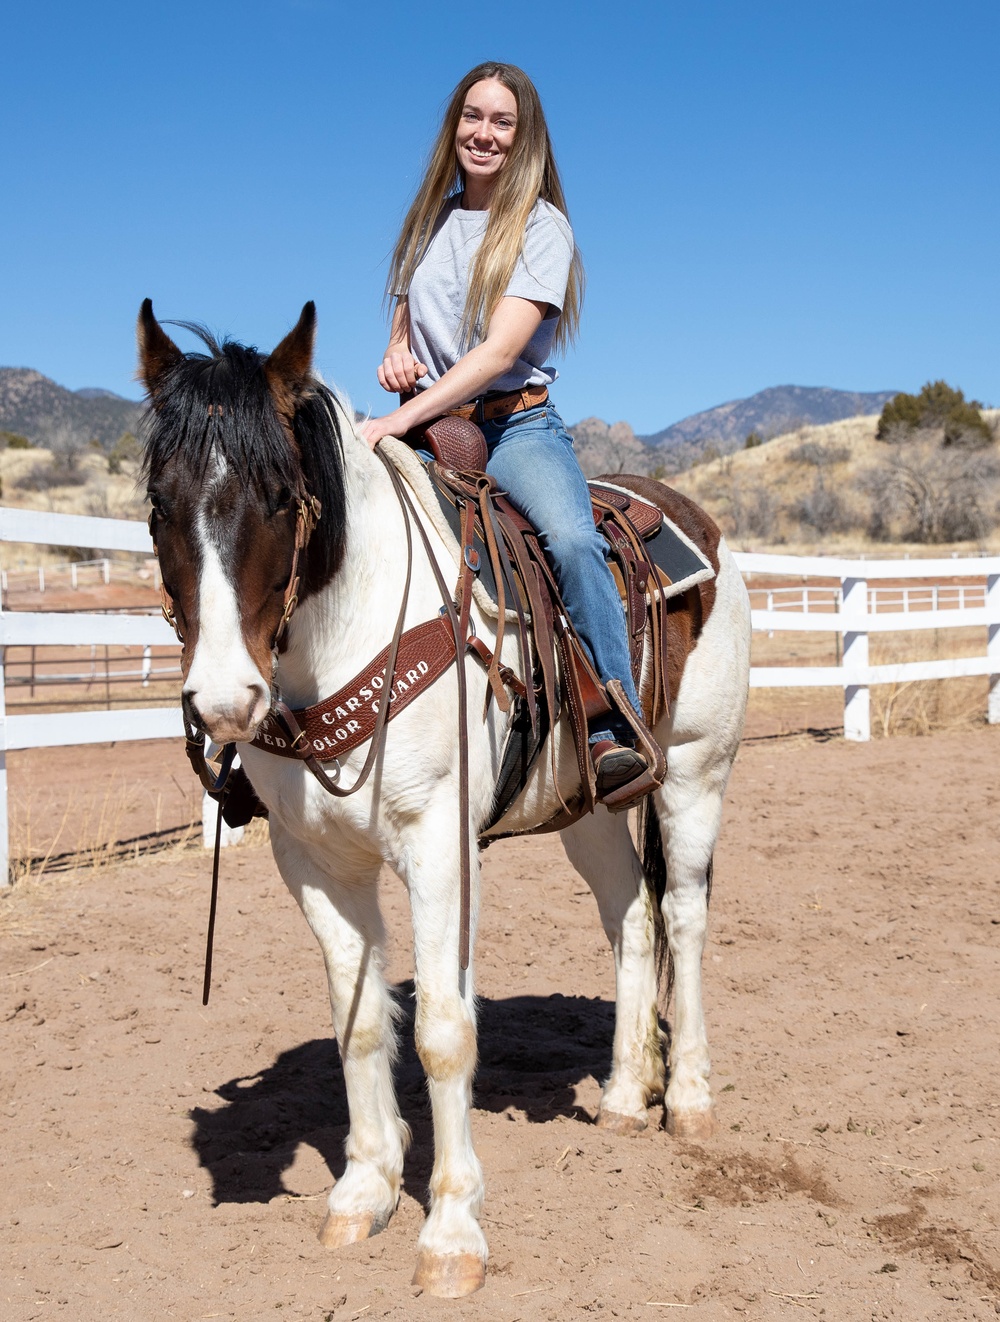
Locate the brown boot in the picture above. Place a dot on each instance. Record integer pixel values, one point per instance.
(616, 764)
(628, 765)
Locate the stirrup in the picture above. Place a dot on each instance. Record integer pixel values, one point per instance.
(650, 775)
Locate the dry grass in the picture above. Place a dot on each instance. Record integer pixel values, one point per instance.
(753, 493)
(93, 832)
(102, 494)
(256, 832)
(90, 831)
(925, 706)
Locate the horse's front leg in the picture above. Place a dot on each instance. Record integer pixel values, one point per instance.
(345, 918)
(452, 1250)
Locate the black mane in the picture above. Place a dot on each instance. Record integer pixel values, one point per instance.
(244, 428)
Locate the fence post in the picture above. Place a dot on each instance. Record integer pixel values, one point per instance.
(107, 571)
(230, 835)
(993, 647)
(854, 626)
(147, 665)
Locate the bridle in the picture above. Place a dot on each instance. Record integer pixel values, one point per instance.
(308, 511)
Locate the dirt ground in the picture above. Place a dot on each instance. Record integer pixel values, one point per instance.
(162, 1160)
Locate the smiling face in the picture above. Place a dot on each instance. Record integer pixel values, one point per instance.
(484, 137)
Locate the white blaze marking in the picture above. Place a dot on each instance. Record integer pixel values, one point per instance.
(223, 682)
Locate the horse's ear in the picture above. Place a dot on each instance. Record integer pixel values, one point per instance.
(157, 351)
(289, 366)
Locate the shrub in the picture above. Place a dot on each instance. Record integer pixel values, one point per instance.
(55, 472)
(126, 450)
(938, 406)
(812, 452)
(753, 440)
(12, 440)
(925, 493)
(822, 509)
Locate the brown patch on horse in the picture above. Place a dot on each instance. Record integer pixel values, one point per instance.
(288, 367)
(157, 351)
(694, 523)
(261, 589)
(179, 576)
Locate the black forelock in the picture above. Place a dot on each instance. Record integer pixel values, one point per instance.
(219, 401)
(243, 427)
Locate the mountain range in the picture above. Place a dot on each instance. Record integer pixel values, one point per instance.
(772, 412)
(31, 405)
(36, 407)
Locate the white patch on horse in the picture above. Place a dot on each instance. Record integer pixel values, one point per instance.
(229, 694)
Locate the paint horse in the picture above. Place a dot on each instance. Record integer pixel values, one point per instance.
(238, 445)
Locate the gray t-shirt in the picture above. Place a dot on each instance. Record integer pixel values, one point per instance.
(436, 297)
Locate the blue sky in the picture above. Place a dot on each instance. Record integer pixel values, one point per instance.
(763, 194)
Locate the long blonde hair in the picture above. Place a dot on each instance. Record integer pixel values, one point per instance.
(529, 173)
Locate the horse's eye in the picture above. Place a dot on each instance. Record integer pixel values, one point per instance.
(156, 501)
(282, 500)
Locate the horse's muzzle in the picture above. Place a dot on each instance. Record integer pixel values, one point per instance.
(227, 718)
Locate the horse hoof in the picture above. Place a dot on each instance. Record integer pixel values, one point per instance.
(690, 1124)
(627, 1126)
(337, 1231)
(450, 1275)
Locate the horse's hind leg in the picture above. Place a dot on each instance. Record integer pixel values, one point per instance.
(689, 806)
(347, 923)
(601, 850)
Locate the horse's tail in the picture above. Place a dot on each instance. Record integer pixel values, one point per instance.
(654, 867)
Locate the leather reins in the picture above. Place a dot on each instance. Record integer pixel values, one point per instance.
(308, 515)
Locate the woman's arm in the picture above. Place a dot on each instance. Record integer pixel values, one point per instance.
(511, 327)
(399, 371)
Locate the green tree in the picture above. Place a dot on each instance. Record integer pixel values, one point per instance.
(126, 450)
(938, 407)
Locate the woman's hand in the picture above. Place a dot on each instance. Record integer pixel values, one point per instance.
(511, 327)
(399, 371)
(372, 431)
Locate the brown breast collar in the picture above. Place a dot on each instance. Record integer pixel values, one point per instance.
(346, 719)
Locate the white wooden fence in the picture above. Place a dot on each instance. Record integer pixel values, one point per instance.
(854, 613)
(36, 628)
(848, 611)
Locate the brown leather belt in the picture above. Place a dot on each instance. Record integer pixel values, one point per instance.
(488, 407)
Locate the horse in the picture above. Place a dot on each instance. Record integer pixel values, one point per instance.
(238, 444)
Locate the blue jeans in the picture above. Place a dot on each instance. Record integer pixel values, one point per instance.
(531, 456)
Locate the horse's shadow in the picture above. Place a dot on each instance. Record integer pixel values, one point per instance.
(533, 1050)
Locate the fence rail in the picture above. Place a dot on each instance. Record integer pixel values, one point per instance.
(848, 607)
(934, 596)
(77, 573)
(851, 611)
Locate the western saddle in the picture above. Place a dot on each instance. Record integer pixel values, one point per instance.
(502, 549)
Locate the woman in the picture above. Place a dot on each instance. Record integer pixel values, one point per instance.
(486, 281)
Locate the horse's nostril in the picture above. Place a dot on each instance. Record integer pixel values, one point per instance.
(246, 716)
(191, 712)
